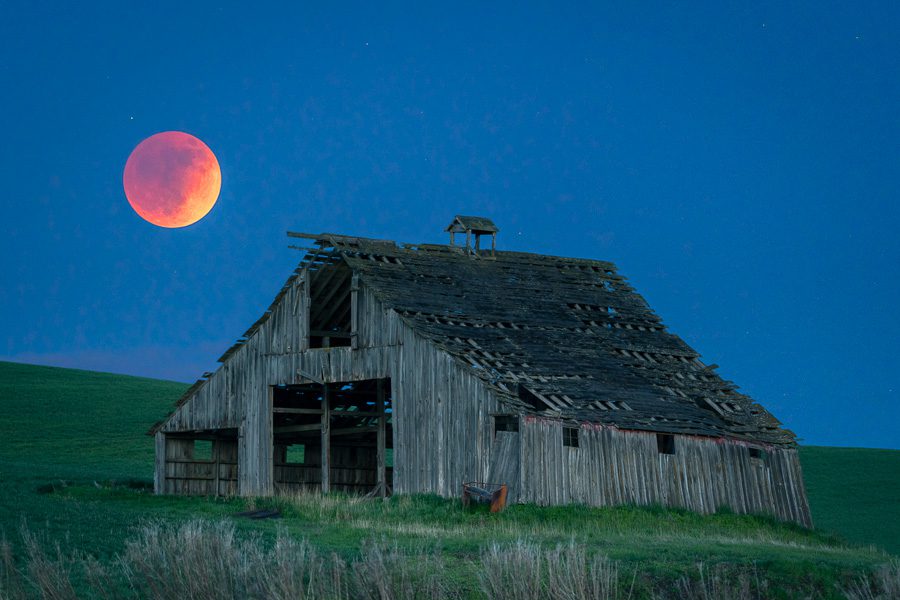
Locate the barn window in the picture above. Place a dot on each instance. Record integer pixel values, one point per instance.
(203, 449)
(757, 454)
(295, 454)
(570, 437)
(506, 423)
(665, 443)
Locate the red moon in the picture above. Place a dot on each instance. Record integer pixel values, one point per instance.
(172, 179)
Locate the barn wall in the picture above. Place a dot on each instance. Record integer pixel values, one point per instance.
(184, 473)
(611, 467)
(444, 432)
(442, 424)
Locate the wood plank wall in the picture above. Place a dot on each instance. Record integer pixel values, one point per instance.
(184, 473)
(611, 467)
(444, 431)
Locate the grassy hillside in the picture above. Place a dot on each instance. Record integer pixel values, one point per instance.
(855, 492)
(74, 462)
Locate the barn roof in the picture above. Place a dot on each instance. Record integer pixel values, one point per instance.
(561, 337)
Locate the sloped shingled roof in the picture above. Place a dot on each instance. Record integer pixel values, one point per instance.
(561, 337)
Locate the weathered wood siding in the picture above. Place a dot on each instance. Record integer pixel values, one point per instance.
(441, 412)
(184, 473)
(426, 423)
(611, 467)
(444, 431)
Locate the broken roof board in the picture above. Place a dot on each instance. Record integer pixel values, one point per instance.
(571, 332)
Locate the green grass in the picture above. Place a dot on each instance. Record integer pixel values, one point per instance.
(855, 492)
(74, 462)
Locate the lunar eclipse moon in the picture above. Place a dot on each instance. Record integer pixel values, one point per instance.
(172, 179)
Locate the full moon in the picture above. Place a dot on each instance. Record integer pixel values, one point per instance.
(172, 179)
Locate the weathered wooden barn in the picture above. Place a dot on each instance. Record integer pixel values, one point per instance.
(385, 367)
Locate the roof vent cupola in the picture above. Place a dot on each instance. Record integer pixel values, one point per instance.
(476, 226)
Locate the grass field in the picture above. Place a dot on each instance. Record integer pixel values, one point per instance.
(75, 465)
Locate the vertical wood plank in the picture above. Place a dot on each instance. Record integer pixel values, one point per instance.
(354, 310)
(159, 473)
(381, 474)
(326, 440)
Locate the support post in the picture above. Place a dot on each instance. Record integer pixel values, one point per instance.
(159, 473)
(326, 439)
(382, 428)
(216, 450)
(354, 311)
(304, 311)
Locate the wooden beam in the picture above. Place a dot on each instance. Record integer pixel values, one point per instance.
(352, 430)
(334, 334)
(298, 428)
(381, 475)
(304, 315)
(297, 411)
(322, 279)
(326, 439)
(332, 305)
(346, 316)
(325, 302)
(216, 451)
(310, 376)
(354, 310)
(159, 472)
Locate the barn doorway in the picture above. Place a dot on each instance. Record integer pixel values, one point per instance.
(334, 437)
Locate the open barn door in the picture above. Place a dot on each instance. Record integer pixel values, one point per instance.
(335, 436)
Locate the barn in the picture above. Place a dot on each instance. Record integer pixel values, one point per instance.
(386, 368)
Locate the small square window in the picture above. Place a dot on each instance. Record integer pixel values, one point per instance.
(665, 443)
(295, 454)
(570, 437)
(757, 454)
(506, 423)
(203, 449)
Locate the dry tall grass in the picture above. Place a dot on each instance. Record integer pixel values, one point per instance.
(723, 582)
(207, 561)
(884, 584)
(527, 572)
(203, 560)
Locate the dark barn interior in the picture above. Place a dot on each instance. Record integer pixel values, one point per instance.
(352, 420)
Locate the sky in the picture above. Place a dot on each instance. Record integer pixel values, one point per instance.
(739, 162)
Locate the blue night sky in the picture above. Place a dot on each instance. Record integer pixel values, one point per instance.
(739, 163)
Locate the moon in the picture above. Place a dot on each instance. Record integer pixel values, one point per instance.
(172, 179)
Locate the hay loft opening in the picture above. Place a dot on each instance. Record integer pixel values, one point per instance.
(330, 306)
